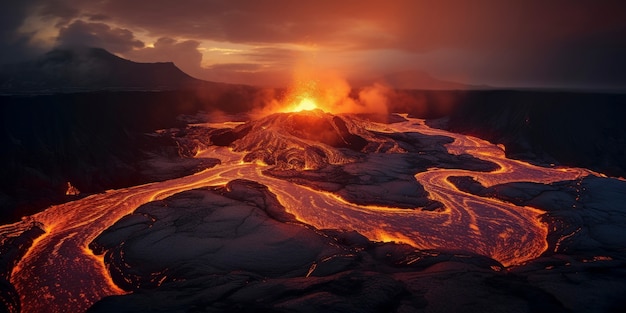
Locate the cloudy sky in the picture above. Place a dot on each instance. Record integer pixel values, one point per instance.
(550, 43)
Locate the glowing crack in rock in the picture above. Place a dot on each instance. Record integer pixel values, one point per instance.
(60, 273)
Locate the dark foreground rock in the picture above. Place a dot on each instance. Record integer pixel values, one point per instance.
(235, 249)
(584, 266)
(587, 217)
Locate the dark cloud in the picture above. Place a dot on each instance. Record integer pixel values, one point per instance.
(58, 9)
(184, 54)
(411, 24)
(80, 33)
(15, 46)
(521, 33)
(14, 15)
(491, 40)
(237, 21)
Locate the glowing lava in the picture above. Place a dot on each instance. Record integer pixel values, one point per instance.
(302, 96)
(60, 274)
(306, 104)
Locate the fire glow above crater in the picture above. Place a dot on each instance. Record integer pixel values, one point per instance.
(301, 157)
(305, 104)
(303, 96)
(328, 92)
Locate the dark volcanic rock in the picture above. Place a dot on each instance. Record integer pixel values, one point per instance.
(572, 128)
(586, 216)
(377, 179)
(583, 268)
(233, 248)
(238, 227)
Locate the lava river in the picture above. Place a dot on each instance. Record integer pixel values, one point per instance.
(60, 273)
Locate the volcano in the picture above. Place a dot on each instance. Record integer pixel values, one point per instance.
(314, 211)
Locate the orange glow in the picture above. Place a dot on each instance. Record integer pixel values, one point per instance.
(329, 92)
(381, 235)
(71, 190)
(305, 104)
(304, 95)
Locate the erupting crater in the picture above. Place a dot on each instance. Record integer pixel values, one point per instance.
(305, 104)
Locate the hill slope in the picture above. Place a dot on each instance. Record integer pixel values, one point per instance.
(89, 69)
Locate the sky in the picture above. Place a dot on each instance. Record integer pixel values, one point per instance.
(501, 43)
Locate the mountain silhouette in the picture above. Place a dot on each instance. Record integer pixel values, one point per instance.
(89, 69)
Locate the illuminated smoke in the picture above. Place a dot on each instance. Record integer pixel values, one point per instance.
(329, 92)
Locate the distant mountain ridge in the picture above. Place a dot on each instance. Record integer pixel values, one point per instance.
(89, 69)
(419, 80)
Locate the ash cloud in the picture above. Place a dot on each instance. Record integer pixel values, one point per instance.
(80, 33)
(14, 45)
(184, 53)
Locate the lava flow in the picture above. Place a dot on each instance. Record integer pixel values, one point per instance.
(60, 273)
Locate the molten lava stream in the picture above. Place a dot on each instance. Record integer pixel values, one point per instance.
(514, 233)
(508, 233)
(60, 274)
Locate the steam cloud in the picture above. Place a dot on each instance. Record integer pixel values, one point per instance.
(331, 93)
